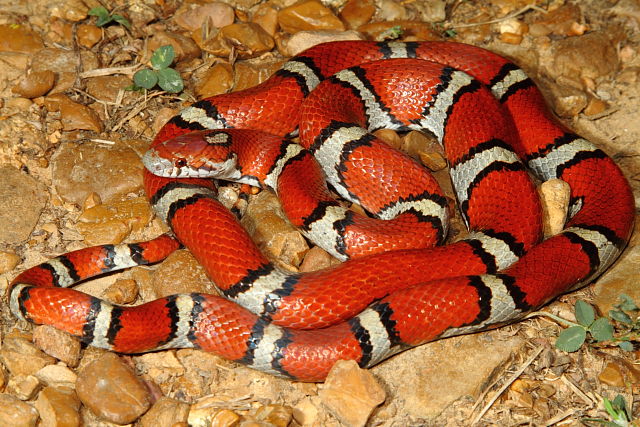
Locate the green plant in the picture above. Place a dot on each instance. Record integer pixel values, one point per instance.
(392, 33)
(105, 17)
(618, 412)
(160, 74)
(620, 328)
(572, 338)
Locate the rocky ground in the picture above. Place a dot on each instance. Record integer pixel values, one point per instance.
(70, 142)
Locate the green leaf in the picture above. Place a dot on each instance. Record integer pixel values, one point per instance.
(585, 314)
(121, 20)
(625, 345)
(571, 339)
(99, 12)
(102, 14)
(620, 316)
(162, 57)
(170, 80)
(601, 329)
(145, 78)
(626, 303)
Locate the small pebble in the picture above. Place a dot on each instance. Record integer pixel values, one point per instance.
(15, 413)
(111, 390)
(351, 393)
(24, 387)
(8, 261)
(123, 291)
(57, 375)
(308, 15)
(59, 406)
(57, 343)
(35, 84)
(554, 196)
(21, 357)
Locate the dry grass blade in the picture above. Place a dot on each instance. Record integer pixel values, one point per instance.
(506, 384)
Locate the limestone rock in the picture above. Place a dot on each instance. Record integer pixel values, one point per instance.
(22, 199)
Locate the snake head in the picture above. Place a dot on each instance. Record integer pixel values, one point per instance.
(201, 154)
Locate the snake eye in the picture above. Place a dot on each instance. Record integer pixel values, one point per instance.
(180, 163)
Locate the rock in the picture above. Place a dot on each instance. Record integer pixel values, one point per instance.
(76, 116)
(110, 389)
(590, 56)
(24, 387)
(18, 38)
(567, 101)
(185, 48)
(20, 104)
(124, 291)
(317, 259)
(357, 12)
(201, 415)
(266, 15)
(161, 367)
(273, 234)
(217, 79)
(162, 117)
(389, 10)
(35, 84)
(308, 15)
(249, 73)
(58, 407)
(180, 273)
(351, 393)
(106, 88)
(274, 415)
(433, 161)
(165, 412)
(612, 375)
(8, 261)
(511, 38)
(15, 413)
(563, 21)
(112, 222)
(412, 30)
(22, 199)
(88, 35)
(202, 373)
(554, 196)
(64, 63)
(621, 278)
(305, 412)
(303, 40)
(389, 136)
(57, 376)
(434, 375)
(595, 107)
(192, 17)
(73, 10)
(58, 344)
(246, 39)
(81, 169)
(432, 11)
(23, 358)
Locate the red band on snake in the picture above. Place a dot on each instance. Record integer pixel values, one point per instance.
(494, 126)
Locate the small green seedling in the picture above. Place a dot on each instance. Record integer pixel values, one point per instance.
(572, 338)
(160, 74)
(621, 328)
(105, 17)
(618, 413)
(392, 33)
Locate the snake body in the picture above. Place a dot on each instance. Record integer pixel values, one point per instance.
(391, 293)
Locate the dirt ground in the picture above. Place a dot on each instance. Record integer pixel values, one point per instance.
(71, 138)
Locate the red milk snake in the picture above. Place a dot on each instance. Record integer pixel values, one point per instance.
(492, 125)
